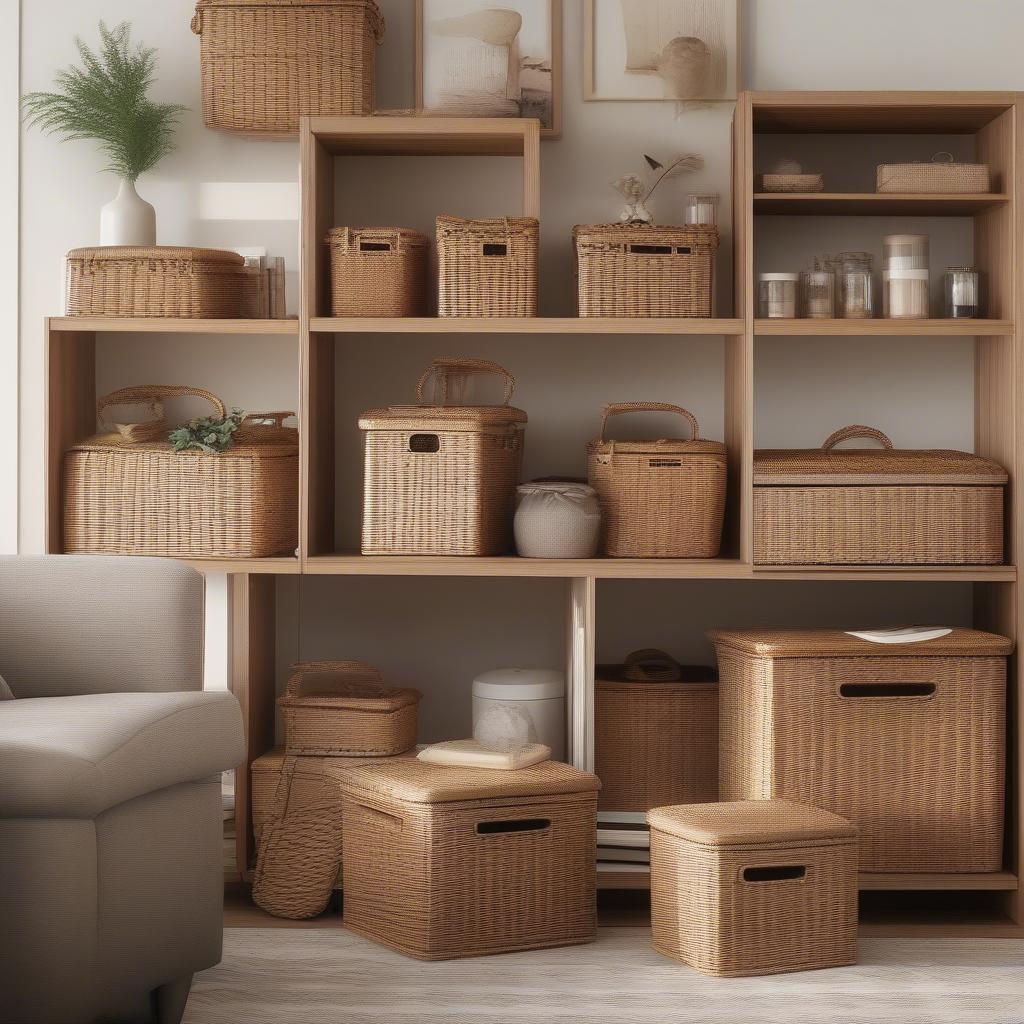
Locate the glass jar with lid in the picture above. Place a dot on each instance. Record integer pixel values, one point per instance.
(961, 293)
(818, 293)
(905, 252)
(905, 294)
(702, 209)
(776, 295)
(854, 285)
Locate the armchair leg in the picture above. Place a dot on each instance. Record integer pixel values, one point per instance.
(170, 1000)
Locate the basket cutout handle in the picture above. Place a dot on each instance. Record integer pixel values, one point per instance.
(774, 873)
(447, 367)
(268, 419)
(491, 828)
(424, 444)
(151, 396)
(494, 249)
(853, 691)
(374, 246)
(618, 408)
(855, 430)
(344, 673)
(197, 22)
(651, 664)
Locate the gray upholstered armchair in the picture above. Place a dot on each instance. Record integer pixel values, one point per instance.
(111, 865)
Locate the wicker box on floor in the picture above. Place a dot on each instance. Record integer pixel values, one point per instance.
(883, 506)
(157, 280)
(487, 267)
(753, 887)
(452, 862)
(655, 733)
(378, 271)
(661, 498)
(641, 270)
(265, 63)
(441, 479)
(908, 741)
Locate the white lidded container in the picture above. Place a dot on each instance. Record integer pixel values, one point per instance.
(537, 693)
(557, 519)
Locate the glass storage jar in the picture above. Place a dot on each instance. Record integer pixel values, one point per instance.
(905, 294)
(961, 293)
(702, 209)
(776, 295)
(854, 285)
(818, 294)
(905, 252)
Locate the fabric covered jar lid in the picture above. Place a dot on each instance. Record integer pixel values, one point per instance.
(520, 684)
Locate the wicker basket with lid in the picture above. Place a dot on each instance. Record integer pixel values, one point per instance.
(941, 175)
(883, 506)
(378, 271)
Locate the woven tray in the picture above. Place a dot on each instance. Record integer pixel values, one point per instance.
(791, 183)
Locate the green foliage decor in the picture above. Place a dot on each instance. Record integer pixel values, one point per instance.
(209, 434)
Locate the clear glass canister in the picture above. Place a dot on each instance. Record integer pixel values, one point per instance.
(905, 252)
(702, 209)
(905, 294)
(854, 285)
(776, 295)
(961, 293)
(818, 288)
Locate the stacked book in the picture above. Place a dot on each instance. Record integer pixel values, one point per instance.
(623, 845)
(264, 294)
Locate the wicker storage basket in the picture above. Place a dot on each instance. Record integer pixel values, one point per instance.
(158, 280)
(753, 887)
(640, 270)
(343, 709)
(791, 183)
(378, 272)
(306, 789)
(445, 862)
(662, 498)
(940, 176)
(656, 733)
(876, 506)
(265, 63)
(128, 493)
(906, 740)
(487, 267)
(441, 480)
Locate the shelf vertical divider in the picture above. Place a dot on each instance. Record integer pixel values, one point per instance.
(580, 646)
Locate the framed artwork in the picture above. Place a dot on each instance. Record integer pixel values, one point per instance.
(676, 50)
(475, 58)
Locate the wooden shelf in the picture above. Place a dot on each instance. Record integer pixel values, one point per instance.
(854, 204)
(271, 566)
(890, 573)
(527, 325)
(422, 136)
(883, 328)
(172, 325)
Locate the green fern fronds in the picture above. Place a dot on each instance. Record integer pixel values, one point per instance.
(105, 100)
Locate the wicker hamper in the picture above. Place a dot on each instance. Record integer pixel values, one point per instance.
(876, 506)
(378, 272)
(661, 498)
(307, 786)
(938, 176)
(487, 267)
(265, 63)
(448, 862)
(343, 709)
(753, 887)
(907, 740)
(128, 492)
(158, 280)
(641, 270)
(441, 479)
(655, 733)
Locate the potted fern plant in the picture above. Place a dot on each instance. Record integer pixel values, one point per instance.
(105, 100)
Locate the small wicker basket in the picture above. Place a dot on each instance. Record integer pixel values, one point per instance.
(343, 709)
(378, 271)
(265, 63)
(158, 280)
(661, 498)
(487, 267)
(791, 183)
(942, 175)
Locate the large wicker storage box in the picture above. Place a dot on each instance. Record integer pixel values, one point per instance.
(753, 887)
(378, 271)
(157, 280)
(656, 733)
(487, 267)
(907, 740)
(452, 862)
(938, 176)
(661, 498)
(265, 63)
(129, 493)
(441, 479)
(630, 270)
(876, 506)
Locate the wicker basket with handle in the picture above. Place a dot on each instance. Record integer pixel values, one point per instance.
(127, 492)
(942, 175)
(378, 271)
(265, 63)
(660, 498)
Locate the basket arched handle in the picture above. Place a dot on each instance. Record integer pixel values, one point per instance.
(618, 408)
(448, 366)
(258, 419)
(651, 663)
(356, 671)
(855, 430)
(197, 22)
(153, 395)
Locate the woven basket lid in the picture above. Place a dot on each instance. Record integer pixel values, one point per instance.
(419, 782)
(448, 224)
(117, 442)
(176, 253)
(441, 417)
(658, 446)
(647, 234)
(404, 236)
(750, 823)
(286, 3)
(816, 643)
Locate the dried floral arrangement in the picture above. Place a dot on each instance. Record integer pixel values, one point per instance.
(637, 189)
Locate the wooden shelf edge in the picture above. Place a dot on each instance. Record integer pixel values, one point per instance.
(253, 566)
(715, 327)
(172, 325)
(908, 204)
(883, 328)
(895, 573)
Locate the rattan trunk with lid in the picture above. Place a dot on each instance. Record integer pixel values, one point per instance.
(266, 63)
(937, 176)
(906, 740)
(661, 498)
(885, 506)
(448, 862)
(378, 271)
(753, 887)
(441, 479)
(646, 271)
(157, 280)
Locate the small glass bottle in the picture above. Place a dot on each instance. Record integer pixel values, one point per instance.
(776, 295)
(854, 285)
(702, 209)
(961, 293)
(818, 288)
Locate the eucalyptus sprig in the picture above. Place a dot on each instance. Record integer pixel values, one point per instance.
(211, 434)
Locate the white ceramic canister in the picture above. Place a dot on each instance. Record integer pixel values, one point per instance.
(538, 693)
(559, 519)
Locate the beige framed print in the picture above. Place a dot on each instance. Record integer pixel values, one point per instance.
(678, 50)
(475, 58)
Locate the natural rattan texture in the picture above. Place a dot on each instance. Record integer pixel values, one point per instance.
(935, 176)
(791, 183)
(307, 786)
(709, 909)
(265, 63)
(662, 498)
(497, 861)
(487, 267)
(378, 272)
(342, 708)
(159, 280)
(908, 745)
(645, 271)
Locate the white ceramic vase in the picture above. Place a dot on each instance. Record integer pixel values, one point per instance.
(127, 219)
